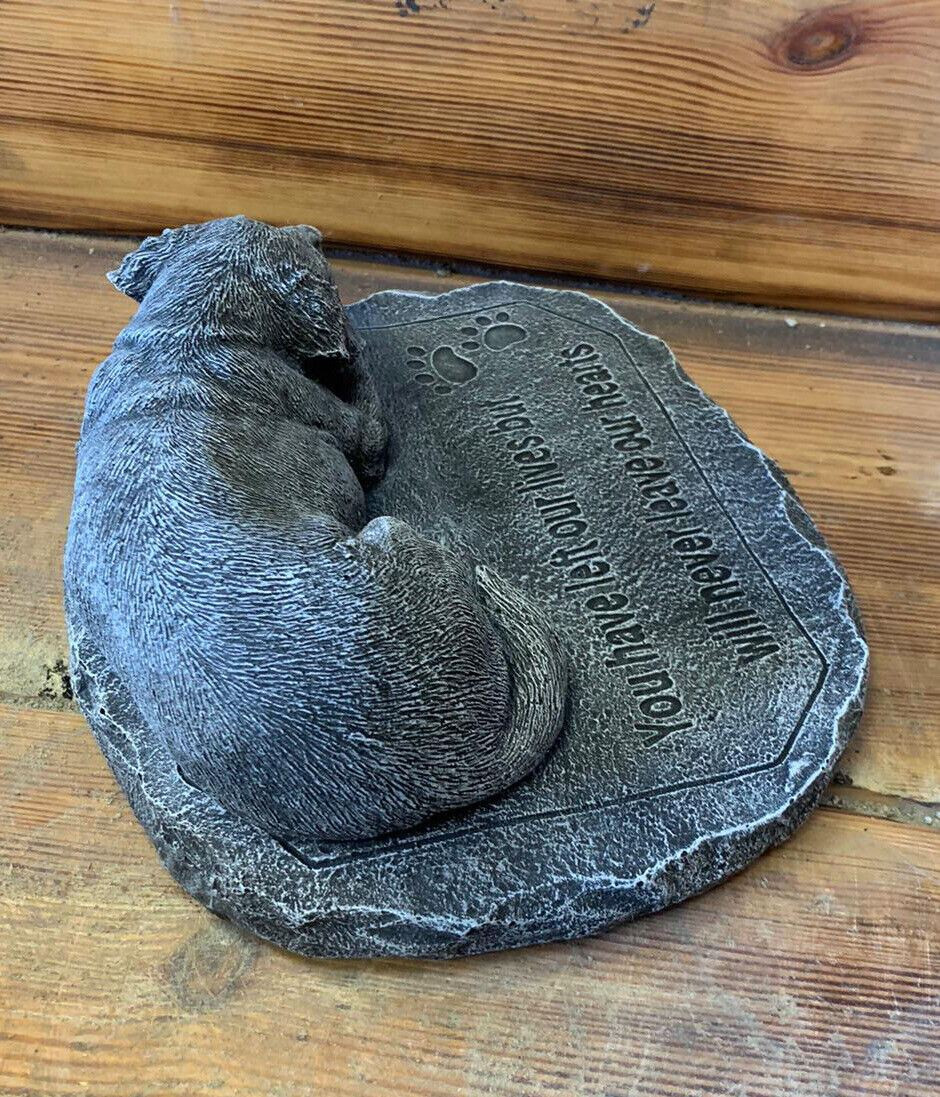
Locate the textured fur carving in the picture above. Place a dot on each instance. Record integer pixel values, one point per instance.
(321, 679)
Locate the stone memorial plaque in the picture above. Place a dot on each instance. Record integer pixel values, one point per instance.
(716, 662)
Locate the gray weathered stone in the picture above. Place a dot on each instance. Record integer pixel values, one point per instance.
(716, 663)
(321, 676)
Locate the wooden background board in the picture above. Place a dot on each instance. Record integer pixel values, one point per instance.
(809, 974)
(776, 150)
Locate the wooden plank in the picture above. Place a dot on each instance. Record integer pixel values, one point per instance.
(849, 408)
(810, 973)
(762, 149)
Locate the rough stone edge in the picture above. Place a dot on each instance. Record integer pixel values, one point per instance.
(627, 899)
(773, 829)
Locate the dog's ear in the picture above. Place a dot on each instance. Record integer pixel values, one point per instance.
(139, 268)
(319, 320)
(306, 287)
(309, 233)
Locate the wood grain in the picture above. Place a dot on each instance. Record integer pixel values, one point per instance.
(772, 150)
(810, 973)
(849, 408)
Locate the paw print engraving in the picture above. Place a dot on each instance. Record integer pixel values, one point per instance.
(443, 368)
(493, 332)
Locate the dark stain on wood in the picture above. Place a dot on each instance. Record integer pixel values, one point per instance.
(819, 41)
(209, 968)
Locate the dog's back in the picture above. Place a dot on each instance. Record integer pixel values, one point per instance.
(318, 678)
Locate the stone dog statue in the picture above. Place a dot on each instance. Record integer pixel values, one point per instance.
(320, 677)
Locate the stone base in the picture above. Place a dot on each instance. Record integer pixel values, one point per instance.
(717, 662)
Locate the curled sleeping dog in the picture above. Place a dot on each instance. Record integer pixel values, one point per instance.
(320, 677)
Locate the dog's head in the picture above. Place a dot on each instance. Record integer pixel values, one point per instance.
(240, 278)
